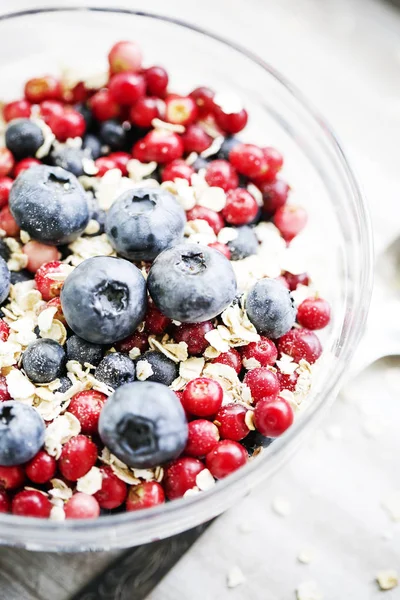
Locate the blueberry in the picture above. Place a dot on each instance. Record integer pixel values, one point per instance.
(65, 384)
(200, 163)
(227, 145)
(191, 283)
(20, 276)
(70, 159)
(115, 369)
(164, 369)
(143, 424)
(245, 244)
(5, 251)
(86, 113)
(92, 144)
(23, 138)
(270, 307)
(143, 222)
(4, 280)
(50, 204)
(22, 432)
(43, 360)
(104, 299)
(83, 351)
(113, 134)
(255, 440)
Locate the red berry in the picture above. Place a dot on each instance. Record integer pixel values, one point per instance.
(24, 164)
(42, 88)
(155, 322)
(223, 248)
(6, 162)
(203, 96)
(56, 303)
(5, 187)
(4, 393)
(195, 139)
(69, 124)
(248, 160)
(225, 458)
(51, 108)
(240, 208)
(136, 340)
(8, 223)
(274, 160)
(79, 93)
(275, 194)
(300, 343)
(294, 280)
(125, 56)
(314, 313)
(213, 218)
(177, 169)
(231, 422)
(286, 381)
(144, 111)
(202, 397)
(82, 506)
(231, 358)
(262, 382)
(120, 160)
(180, 110)
(41, 468)
(4, 331)
(113, 491)
(127, 88)
(156, 81)
(290, 220)
(203, 435)
(39, 254)
(47, 286)
(145, 495)
(230, 122)
(181, 476)
(4, 502)
(78, 456)
(159, 145)
(221, 174)
(264, 352)
(11, 477)
(31, 503)
(273, 416)
(104, 164)
(86, 407)
(193, 334)
(19, 109)
(103, 106)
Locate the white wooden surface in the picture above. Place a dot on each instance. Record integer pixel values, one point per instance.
(345, 55)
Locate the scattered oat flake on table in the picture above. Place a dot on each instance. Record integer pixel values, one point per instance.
(235, 577)
(305, 556)
(281, 506)
(387, 579)
(308, 590)
(392, 505)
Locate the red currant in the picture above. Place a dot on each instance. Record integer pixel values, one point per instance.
(5, 187)
(155, 322)
(144, 111)
(262, 382)
(79, 93)
(288, 381)
(78, 456)
(295, 280)
(181, 476)
(248, 160)
(11, 477)
(24, 164)
(231, 422)
(314, 313)
(241, 207)
(86, 407)
(69, 124)
(300, 344)
(213, 218)
(145, 495)
(223, 248)
(127, 88)
(47, 286)
(4, 393)
(231, 358)
(39, 254)
(264, 352)
(275, 194)
(121, 160)
(156, 81)
(230, 122)
(41, 468)
(6, 162)
(274, 160)
(42, 88)
(158, 145)
(104, 164)
(177, 169)
(221, 174)
(31, 503)
(290, 220)
(113, 491)
(273, 416)
(51, 108)
(195, 139)
(4, 331)
(203, 96)
(103, 106)
(19, 109)
(125, 56)
(193, 334)
(202, 397)
(137, 340)
(225, 458)
(180, 110)
(8, 223)
(203, 435)
(82, 506)
(4, 502)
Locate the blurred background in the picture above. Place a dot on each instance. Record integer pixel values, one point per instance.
(329, 521)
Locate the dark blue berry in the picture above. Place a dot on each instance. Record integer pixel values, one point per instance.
(104, 299)
(113, 134)
(5, 251)
(255, 440)
(92, 144)
(164, 369)
(115, 369)
(4, 280)
(20, 276)
(70, 159)
(43, 360)
(23, 138)
(143, 222)
(227, 145)
(200, 163)
(245, 244)
(22, 432)
(86, 113)
(270, 307)
(83, 351)
(65, 384)
(143, 424)
(191, 283)
(50, 204)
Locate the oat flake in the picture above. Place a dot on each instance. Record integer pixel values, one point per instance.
(387, 579)
(308, 590)
(235, 577)
(91, 482)
(204, 480)
(144, 370)
(19, 385)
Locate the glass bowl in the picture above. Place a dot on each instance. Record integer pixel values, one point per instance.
(338, 241)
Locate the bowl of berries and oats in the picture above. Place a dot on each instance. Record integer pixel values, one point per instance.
(185, 271)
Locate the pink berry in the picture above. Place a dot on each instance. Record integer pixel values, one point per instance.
(223, 248)
(202, 397)
(5, 187)
(248, 160)
(156, 81)
(103, 106)
(11, 477)
(19, 109)
(300, 343)
(180, 476)
(6, 162)
(145, 495)
(158, 145)
(177, 169)
(193, 334)
(47, 286)
(86, 407)
(314, 313)
(221, 174)
(24, 164)
(262, 382)
(230, 122)
(69, 124)
(225, 458)
(203, 96)
(264, 352)
(125, 56)
(144, 111)
(288, 381)
(43, 88)
(4, 502)
(41, 468)
(137, 340)
(231, 422)
(180, 110)
(241, 207)
(275, 194)
(8, 223)
(290, 220)
(127, 88)
(82, 506)
(104, 164)
(195, 139)
(31, 503)
(295, 280)
(40, 254)
(273, 416)
(78, 456)
(231, 358)
(4, 393)
(203, 435)
(113, 491)
(213, 218)
(4, 331)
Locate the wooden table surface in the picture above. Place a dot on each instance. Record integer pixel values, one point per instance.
(345, 55)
